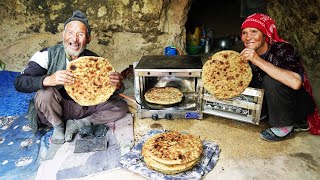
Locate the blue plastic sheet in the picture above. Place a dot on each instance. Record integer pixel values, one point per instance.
(12, 102)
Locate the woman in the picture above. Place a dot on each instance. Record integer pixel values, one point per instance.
(276, 69)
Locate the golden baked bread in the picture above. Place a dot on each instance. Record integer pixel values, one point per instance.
(163, 95)
(225, 75)
(172, 152)
(169, 169)
(92, 83)
(173, 148)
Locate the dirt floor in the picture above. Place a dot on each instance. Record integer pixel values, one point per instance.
(243, 154)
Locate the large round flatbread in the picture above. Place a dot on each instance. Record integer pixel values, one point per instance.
(169, 169)
(163, 95)
(172, 148)
(92, 83)
(225, 75)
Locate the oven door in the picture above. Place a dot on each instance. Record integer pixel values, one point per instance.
(189, 108)
(246, 107)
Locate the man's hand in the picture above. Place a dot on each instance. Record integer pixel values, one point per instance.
(59, 78)
(116, 79)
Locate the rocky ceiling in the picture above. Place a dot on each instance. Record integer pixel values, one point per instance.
(125, 30)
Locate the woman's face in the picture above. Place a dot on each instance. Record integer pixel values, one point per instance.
(252, 38)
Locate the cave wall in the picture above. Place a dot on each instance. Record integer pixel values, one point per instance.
(122, 30)
(298, 22)
(125, 30)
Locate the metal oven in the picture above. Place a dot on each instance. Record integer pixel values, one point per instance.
(245, 107)
(182, 72)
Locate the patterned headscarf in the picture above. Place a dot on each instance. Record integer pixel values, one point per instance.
(265, 24)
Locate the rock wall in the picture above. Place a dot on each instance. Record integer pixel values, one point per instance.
(298, 22)
(125, 30)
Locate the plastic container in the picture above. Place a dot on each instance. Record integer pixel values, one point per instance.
(193, 49)
(170, 51)
(193, 38)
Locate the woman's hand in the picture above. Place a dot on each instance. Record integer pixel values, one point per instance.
(250, 55)
(289, 78)
(116, 79)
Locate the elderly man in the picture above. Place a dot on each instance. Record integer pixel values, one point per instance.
(46, 74)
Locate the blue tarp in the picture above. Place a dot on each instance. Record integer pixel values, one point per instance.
(19, 146)
(12, 102)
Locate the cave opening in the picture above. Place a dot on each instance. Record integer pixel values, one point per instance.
(217, 24)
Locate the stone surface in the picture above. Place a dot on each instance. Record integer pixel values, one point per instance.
(298, 22)
(123, 31)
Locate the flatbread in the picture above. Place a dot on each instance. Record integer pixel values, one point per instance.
(163, 95)
(225, 75)
(169, 169)
(173, 148)
(92, 83)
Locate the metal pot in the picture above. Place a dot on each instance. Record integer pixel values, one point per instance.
(224, 42)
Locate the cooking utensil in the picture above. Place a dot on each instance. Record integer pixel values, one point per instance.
(224, 42)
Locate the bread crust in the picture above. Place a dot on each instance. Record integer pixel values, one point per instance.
(163, 95)
(92, 83)
(173, 148)
(225, 75)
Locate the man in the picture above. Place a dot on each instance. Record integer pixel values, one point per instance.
(46, 75)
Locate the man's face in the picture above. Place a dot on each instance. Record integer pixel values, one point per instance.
(75, 38)
(252, 38)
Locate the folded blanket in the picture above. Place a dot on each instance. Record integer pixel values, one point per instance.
(134, 162)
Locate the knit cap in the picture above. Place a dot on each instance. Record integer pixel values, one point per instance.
(79, 16)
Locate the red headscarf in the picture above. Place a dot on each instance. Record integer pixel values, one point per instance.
(265, 24)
